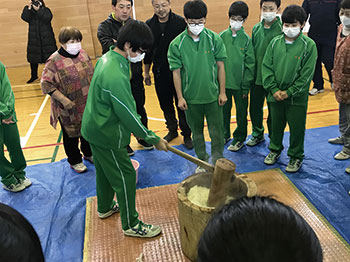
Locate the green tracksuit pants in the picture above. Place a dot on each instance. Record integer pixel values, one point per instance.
(240, 133)
(295, 115)
(11, 172)
(115, 174)
(256, 107)
(195, 117)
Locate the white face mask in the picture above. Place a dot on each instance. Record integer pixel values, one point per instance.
(345, 21)
(137, 58)
(291, 32)
(196, 29)
(236, 25)
(269, 16)
(73, 48)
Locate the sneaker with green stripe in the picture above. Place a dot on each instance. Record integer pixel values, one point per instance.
(271, 158)
(294, 165)
(143, 230)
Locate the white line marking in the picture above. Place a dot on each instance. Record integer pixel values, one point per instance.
(35, 84)
(24, 140)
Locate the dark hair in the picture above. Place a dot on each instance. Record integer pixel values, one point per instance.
(114, 2)
(277, 2)
(18, 239)
(294, 13)
(195, 9)
(238, 8)
(345, 4)
(69, 33)
(137, 33)
(42, 2)
(258, 229)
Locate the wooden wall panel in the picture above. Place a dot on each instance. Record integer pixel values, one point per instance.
(87, 14)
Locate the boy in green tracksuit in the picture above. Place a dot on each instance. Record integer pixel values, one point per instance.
(262, 34)
(109, 119)
(196, 58)
(239, 68)
(12, 173)
(287, 71)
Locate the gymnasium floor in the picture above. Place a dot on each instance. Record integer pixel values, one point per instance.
(55, 204)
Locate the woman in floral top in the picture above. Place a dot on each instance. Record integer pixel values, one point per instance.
(66, 78)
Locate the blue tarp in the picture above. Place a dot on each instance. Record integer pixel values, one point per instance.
(55, 203)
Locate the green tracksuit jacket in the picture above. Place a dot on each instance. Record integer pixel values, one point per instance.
(239, 69)
(290, 68)
(261, 37)
(197, 61)
(110, 114)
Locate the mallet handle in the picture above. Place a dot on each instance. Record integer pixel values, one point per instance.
(205, 165)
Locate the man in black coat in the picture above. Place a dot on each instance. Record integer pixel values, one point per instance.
(107, 35)
(324, 20)
(41, 39)
(165, 26)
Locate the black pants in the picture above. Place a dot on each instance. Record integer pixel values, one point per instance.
(71, 148)
(34, 70)
(138, 91)
(166, 93)
(325, 56)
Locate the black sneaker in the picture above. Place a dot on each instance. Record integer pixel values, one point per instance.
(170, 136)
(130, 151)
(31, 80)
(145, 145)
(188, 142)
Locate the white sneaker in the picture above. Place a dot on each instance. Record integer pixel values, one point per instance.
(235, 147)
(337, 140)
(26, 182)
(342, 156)
(143, 230)
(200, 169)
(79, 168)
(14, 187)
(113, 210)
(315, 91)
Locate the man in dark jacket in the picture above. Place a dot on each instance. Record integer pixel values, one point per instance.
(324, 20)
(165, 26)
(107, 35)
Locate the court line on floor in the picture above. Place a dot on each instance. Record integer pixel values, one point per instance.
(157, 131)
(24, 140)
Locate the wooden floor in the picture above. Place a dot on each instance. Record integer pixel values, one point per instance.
(42, 144)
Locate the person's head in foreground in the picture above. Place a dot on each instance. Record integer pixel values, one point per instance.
(258, 229)
(18, 239)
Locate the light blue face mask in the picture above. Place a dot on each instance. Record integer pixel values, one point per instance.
(345, 21)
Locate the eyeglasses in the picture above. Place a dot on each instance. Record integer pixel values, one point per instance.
(194, 24)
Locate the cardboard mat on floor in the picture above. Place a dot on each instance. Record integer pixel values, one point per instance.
(104, 239)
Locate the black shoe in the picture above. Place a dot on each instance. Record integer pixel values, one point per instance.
(145, 145)
(170, 136)
(31, 80)
(227, 140)
(188, 142)
(130, 151)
